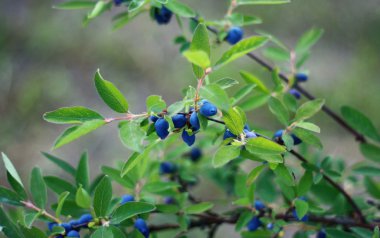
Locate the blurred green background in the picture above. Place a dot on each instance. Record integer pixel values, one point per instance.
(48, 59)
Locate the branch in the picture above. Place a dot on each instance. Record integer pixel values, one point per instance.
(358, 136)
(31, 206)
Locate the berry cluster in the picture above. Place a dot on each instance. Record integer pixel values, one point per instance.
(300, 78)
(73, 227)
(181, 120)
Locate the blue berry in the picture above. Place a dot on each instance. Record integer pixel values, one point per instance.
(162, 127)
(278, 134)
(188, 139)
(51, 225)
(179, 120)
(167, 168)
(118, 2)
(234, 35)
(153, 118)
(67, 226)
(194, 121)
(295, 93)
(301, 77)
(259, 205)
(85, 218)
(270, 226)
(254, 224)
(250, 134)
(246, 126)
(126, 198)
(208, 109)
(304, 218)
(228, 134)
(195, 154)
(162, 15)
(169, 200)
(142, 227)
(321, 234)
(75, 224)
(73, 234)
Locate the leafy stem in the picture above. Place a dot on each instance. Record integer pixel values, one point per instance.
(31, 206)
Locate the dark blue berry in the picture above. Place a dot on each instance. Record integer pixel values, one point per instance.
(246, 126)
(73, 234)
(259, 205)
(51, 225)
(234, 35)
(304, 218)
(67, 226)
(142, 227)
(169, 200)
(162, 15)
(118, 2)
(179, 120)
(188, 139)
(194, 121)
(295, 93)
(296, 140)
(254, 224)
(321, 234)
(167, 168)
(162, 127)
(126, 198)
(249, 134)
(195, 154)
(85, 218)
(75, 224)
(208, 109)
(228, 134)
(153, 118)
(301, 77)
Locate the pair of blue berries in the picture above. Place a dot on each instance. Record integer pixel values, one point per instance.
(180, 120)
(140, 223)
(278, 134)
(72, 227)
(255, 222)
(300, 77)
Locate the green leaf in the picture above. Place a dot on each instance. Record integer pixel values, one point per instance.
(255, 172)
(216, 95)
(59, 185)
(110, 94)
(225, 154)
(240, 49)
(10, 197)
(61, 200)
(301, 207)
(99, 8)
(234, 120)
(102, 197)
(200, 42)
(102, 232)
(11, 169)
(72, 5)
(255, 101)
(252, 79)
(135, 5)
(284, 175)
(243, 220)
(82, 176)
(243, 92)
(261, 145)
(305, 183)
(367, 170)
(71, 115)
(132, 135)
(154, 103)
(180, 9)
(238, 19)
(376, 233)
(198, 57)
(308, 39)
(198, 208)
(114, 174)
(360, 122)
(335, 233)
(18, 188)
(372, 186)
(276, 54)
(257, 234)
(308, 109)
(157, 187)
(308, 137)
(82, 198)
(309, 126)
(76, 132)
(33, 232)
(225, 83)
(38, 188)
(129, 210)
(261, 2)
(279, 110)
(370, 151)
(362, 232)
(8, 227)
(60, 163)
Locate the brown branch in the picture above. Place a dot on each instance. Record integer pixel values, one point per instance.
(31, 206)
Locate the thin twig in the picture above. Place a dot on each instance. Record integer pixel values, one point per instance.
(31, 206)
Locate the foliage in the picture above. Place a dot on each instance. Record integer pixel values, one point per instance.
(274, 193)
